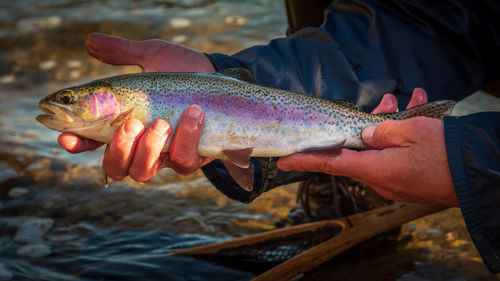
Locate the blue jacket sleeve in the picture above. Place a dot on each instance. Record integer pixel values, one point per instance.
(473, 148)
(365, 49)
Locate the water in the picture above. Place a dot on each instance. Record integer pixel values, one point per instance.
(134, 226)
(57, 222)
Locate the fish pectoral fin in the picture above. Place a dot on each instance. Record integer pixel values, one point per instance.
(239, 157)
(242, 74)
(242, 176)
(118, 122)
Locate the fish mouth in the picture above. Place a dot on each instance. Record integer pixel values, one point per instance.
(57, 118)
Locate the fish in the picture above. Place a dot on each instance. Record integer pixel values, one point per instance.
(242, 119)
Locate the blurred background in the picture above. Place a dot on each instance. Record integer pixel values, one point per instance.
(57, 219)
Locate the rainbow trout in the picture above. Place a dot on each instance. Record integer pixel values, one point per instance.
(242, 119)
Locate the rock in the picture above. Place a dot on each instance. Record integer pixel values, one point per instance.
(180, 22)
(458, 243)
(55, 151)
(7, 79)
(5, 274)
(33, 230)
(37, 250)
(229, 20)
(5, 241)
(47, 65)
(240, 21)
(18, 192)
(425, 234)
(7, 173)
(35, 167)
(34, 23)
(75, 74)
(73, 64)
(179, 38)
(235, 20)
(410, 227)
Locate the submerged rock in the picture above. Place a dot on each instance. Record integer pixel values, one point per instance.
(5, 274)
(180, 22)
(7, 79)
(35, 23)
(37, 250)
(18, 192)
(7, 173)
(425, 234)
(73, 63)
(181, 38)
(47, 65)
(33, 230)
(35, 167)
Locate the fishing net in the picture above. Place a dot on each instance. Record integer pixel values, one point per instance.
(279, 249)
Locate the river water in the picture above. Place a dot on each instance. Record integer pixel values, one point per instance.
(57, 222)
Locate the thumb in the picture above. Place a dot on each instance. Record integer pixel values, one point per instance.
(389, 133)
(115, 50)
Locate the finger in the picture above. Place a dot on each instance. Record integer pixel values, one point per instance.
(321, 161)
(357, 165)
(76, 144)
(354, 164)
(418, 97)
(145, 161)
(389, 133)
(388, 104)
(115, 50)
(183, 156)
(121, 149)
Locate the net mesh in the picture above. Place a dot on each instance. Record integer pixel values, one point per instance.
(280, 249)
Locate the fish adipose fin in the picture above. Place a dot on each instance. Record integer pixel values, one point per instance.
(239, 167)
(436, 109)
(118, 122)
(242, 74)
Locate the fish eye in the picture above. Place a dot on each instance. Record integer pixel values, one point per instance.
(66, 97)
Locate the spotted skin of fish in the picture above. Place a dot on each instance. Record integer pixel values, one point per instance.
(242, 119)
(238, 114)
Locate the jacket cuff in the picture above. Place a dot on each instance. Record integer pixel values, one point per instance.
(217, 174)
(454, 135)
(221, 61)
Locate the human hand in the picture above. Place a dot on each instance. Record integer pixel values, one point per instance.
(151, 56)
(408, 161)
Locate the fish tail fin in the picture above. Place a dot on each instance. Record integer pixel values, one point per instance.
(436, 109)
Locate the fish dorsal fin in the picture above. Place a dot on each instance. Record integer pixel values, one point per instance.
(242, 74)
(346, 103)
(242, 176)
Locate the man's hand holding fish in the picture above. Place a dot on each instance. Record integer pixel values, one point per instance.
(137, 151)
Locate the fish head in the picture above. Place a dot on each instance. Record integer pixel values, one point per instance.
(79, 109)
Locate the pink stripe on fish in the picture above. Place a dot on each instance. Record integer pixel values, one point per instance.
(247, 108)
(107, 103)
(93, 105)
(101, 104)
